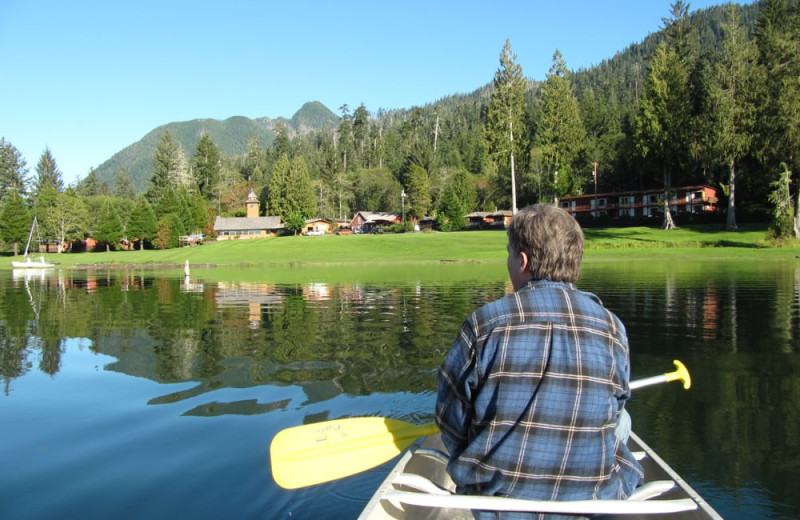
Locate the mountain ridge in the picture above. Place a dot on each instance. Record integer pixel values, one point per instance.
(229, 135)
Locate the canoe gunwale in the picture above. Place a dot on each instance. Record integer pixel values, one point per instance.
(391, 497)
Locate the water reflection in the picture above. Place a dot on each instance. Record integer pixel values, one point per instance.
(206, 342)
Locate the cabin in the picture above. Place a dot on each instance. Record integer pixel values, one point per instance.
(250, 226)
(499, 218)
(643, 203)
(476, 220)
(366, 221)
(318, 226)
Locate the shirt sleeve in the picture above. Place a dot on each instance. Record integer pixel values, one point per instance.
(457, 383)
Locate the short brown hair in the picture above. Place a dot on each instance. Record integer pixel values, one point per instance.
(552, 239)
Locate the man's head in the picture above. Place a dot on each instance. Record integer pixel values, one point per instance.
(544, 243)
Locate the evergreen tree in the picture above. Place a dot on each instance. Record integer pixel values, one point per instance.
(206, 166)
(299, 190)
(777, 36)
(345, 137)
(419, 196)
(169, 230)
(168, 162)
(47, 174)
(142, 223)
(13, 171)
(282, 145)
(732, 103)
(91, 186)
(15, 220)
(199, 210)
(452, 211)
(123, 187)
(108, 229)
(505, 131)
(664, 117)
(559, 129)
(255, 161)
(360, 135)
(277, 204)
(784, 225)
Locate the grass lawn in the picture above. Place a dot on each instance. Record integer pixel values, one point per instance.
(602, 244)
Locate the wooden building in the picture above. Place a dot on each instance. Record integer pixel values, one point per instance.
(250, 226)
(643, 203)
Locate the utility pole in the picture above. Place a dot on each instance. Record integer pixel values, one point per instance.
(595, 213)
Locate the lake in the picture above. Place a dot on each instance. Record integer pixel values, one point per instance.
(134, 393)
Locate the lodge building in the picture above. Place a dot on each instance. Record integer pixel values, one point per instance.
(643, 203)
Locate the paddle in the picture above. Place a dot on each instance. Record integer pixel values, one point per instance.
(315, 453)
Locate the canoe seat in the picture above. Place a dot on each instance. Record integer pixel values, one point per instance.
(428, 494)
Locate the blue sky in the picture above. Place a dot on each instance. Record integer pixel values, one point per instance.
(88, 78)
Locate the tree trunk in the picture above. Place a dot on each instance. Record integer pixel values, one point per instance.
(797, 217)
(730, 224)
(668, 222)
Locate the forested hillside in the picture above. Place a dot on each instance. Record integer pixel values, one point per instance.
(230, 136)
(710, 97)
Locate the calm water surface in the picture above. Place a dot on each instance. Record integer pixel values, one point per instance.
(139, 394)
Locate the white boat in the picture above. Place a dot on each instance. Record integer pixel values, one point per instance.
(419, 487)
(29, 263)
(39, 263)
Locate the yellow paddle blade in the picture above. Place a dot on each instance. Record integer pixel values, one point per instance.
(681, 374)
(315, 453)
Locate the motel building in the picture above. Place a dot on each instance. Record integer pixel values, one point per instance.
(643, 203)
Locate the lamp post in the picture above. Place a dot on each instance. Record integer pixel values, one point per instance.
(403, 202)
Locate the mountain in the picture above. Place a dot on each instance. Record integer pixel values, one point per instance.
(230, 136)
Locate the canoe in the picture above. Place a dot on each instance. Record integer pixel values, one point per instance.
(418, 487)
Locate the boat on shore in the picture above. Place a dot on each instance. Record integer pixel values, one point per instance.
(419, 487)
(29, 263)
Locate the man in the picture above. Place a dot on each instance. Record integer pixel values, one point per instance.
(532, 391)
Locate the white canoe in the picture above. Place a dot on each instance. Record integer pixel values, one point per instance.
(418, 487)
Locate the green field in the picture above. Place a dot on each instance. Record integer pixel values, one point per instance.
(697, 242)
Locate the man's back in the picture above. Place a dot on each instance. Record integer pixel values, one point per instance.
(529, 396)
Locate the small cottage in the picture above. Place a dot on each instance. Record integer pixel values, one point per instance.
(365, 221)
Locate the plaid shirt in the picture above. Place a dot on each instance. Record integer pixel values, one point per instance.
(529, 396)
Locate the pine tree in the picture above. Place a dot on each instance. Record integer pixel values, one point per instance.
(108, 229)
(505, 131)
(419, 196)
(142, 223)
(277, 203)
(123, 187)
(13, 171)
(777, 36)
(299, 190)
(559, 129)
(255, 161)
(15, 220)
(47, 174)
(732, 103)
(206, 166)
(664, 117)
(168, 165)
